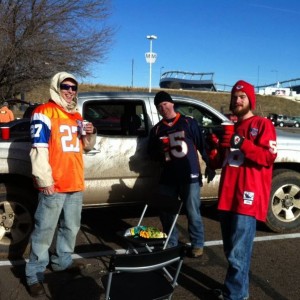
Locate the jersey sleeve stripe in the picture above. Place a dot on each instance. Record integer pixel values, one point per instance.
(42, 118)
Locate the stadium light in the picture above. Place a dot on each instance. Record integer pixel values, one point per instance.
(150, 58)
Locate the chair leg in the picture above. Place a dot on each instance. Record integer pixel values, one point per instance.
(168, 274)
(108, 286)
(174, 283)
(142, 216)
(173, 225)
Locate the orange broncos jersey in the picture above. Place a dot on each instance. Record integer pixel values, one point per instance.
(54, 128)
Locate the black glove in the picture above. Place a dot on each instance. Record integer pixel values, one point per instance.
(209, 174)
(236, 141)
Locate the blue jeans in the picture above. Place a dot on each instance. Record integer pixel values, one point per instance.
(190, 195)
(64, 210)
(238, 232)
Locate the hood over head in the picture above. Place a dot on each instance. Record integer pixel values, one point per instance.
(56, 80)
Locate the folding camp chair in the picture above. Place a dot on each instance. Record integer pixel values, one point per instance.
(137, 243)
(140, 276)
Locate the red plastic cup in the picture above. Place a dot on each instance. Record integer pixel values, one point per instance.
(166, 144)
(228, 127)
(5, 133)
(165, 140)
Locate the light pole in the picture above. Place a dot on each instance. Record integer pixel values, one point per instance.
(150, 58)
(132, 63)
(160, 71)
(275, 71)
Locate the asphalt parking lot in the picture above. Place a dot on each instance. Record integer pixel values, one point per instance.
(275, 270)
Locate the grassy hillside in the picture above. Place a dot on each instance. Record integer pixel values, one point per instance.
(219, 100)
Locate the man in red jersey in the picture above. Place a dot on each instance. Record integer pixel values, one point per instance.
(248, 154)
(58, 140)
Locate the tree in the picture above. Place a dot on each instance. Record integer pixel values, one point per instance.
(41, 37)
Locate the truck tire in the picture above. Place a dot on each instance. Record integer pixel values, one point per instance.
(284, 208)
(17, 206)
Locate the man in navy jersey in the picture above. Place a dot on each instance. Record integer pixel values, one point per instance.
(175, 141)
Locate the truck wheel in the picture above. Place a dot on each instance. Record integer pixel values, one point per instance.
(16, 219)
(284, 208)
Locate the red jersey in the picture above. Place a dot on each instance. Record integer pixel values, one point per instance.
(247, 172)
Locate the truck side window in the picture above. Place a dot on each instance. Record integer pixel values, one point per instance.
(203, 116)
(117, 118)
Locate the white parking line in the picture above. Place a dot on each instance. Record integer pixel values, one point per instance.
(122, 251)
(260, 239)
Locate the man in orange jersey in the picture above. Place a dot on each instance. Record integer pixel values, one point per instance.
(6, 115)
(58, 140)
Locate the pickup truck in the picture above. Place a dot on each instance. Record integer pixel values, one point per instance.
(285, 121)
(118, 170)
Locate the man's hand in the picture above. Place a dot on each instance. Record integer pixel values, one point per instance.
(209, 174)
(48, 190)
(236, 141)
(212, 141)
(89, 128)
(226, 140)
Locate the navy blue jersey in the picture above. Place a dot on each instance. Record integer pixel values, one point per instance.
(180, 158)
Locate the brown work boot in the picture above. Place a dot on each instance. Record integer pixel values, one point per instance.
(196, 252)
(36, 290)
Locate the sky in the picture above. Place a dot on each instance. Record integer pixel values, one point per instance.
(254, 40)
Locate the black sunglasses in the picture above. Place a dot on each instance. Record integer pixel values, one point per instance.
(64, 86)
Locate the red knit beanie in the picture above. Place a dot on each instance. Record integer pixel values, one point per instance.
(246, 88)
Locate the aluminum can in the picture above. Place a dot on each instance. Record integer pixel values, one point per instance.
(82, 128)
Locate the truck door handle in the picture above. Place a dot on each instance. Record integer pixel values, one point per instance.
(92, 152)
